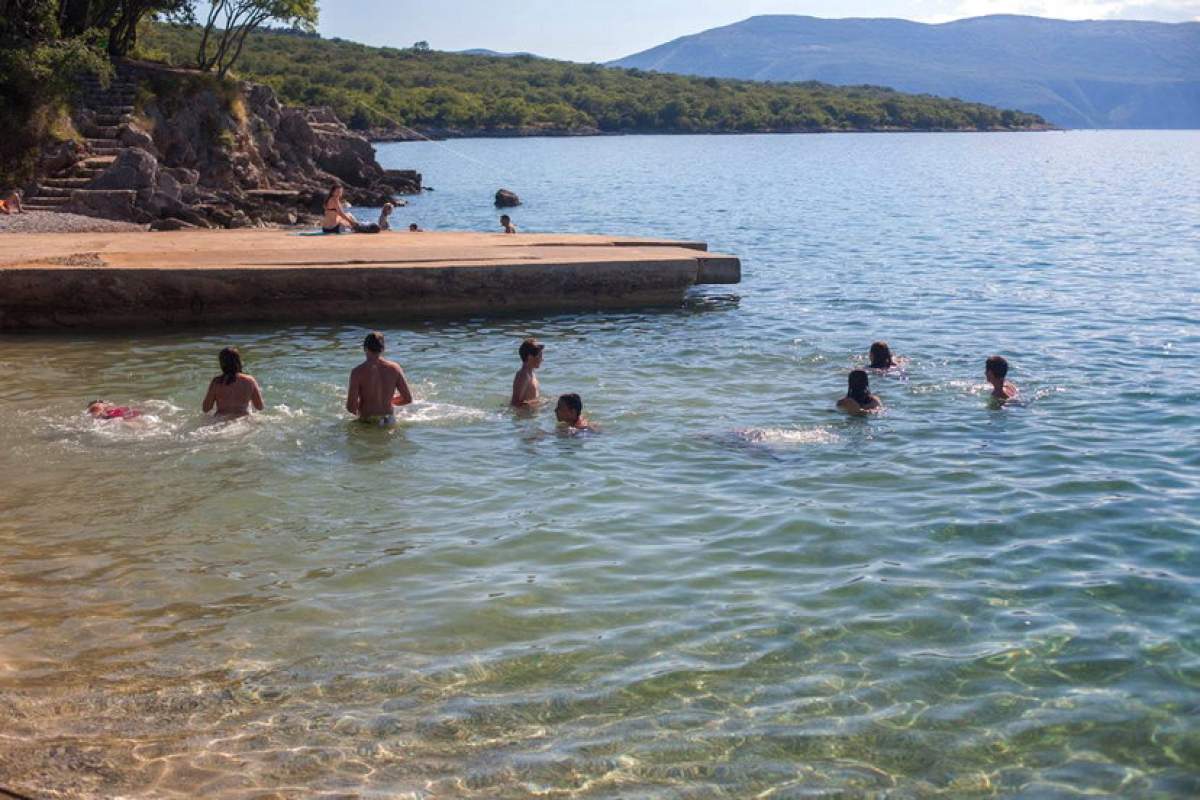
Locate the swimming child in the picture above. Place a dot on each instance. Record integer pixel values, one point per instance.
(881, 356)
(377, 385)
(858, 399)
(569, 412)
(384, 213)
(525, 389)
(507, 224)
(102, 410)
(995, 370)
(233, 391)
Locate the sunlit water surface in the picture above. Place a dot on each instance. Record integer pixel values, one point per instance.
(731, 590)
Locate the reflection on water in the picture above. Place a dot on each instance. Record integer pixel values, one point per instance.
(733, 591)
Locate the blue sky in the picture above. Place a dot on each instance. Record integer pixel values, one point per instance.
(587, 30)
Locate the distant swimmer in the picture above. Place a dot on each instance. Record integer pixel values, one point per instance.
(102, 410)
(858, 399)
(569, 412)
(881, 356)
(335, 213)
(996, 370)
(377, 385)
(233, 391)
(414, 228)
(525, 389)
(506, 224)
(384, 213)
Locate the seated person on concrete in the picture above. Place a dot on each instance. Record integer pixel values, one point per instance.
(11, 204)
(384, 213)
(376, 385)
(506, 224)
(569, 412)
(858, 399)
(102, 410)
(525, 390)
(233, 391)
(995, 370)
(335, 213)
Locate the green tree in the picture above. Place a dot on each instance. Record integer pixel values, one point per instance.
(220, 48)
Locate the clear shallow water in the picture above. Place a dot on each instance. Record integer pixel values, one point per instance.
(730, 591)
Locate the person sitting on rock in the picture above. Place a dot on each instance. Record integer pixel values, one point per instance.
(11, 204)
(506, 224)
(384, 225)
(335, 213)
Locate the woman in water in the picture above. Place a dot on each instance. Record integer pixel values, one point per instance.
(858, 399)
(335, 213)
(233, 391)
(881, 356)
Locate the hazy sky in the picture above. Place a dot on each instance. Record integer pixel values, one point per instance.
(601, 30)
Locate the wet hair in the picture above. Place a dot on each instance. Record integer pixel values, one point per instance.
(881, 356)
(505, 219)
(530, 347)
(373, 342)
(412, 226)
(859, 389)
(998, 366)
(231, 364)
(573, 402)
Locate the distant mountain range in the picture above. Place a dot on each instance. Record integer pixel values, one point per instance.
(1096, 74)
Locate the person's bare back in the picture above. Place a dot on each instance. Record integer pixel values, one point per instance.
(377, 384)
(233, 391)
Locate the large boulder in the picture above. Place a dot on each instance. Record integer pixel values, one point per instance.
(133, 136)
(134, 169)
(119, 204)
(507, 199)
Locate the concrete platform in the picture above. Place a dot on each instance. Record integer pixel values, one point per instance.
(116, 280)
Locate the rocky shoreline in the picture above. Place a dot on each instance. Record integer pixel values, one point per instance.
(63, 222)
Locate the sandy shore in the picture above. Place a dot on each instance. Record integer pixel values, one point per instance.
(58, 222)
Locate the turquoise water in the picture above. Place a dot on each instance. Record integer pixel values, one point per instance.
(731, 590)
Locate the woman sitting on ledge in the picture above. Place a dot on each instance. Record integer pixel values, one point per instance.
(11, 204)
(335, 213)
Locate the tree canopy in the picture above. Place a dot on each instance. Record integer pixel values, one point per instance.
(438, 91)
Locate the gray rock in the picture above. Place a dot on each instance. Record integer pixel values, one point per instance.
(119, 204)
(133, 169)
(133, 136)
(507, 199)
(170, 224)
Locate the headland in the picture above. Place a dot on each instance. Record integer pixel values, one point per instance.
(198, 277)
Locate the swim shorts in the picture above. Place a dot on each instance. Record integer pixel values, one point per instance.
(380, 420)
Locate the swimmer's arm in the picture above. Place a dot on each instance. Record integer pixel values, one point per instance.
(851, 407)
(256, 395)
(352, 396)
(210, 399)
(402, 389)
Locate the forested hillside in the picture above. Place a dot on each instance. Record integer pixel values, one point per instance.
(433, 91)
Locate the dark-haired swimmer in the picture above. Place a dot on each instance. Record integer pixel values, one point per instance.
(995, 370)
(858, 399)
(569, 412)
(525, 389)
(377, 385)
(232, 392)
(881, 356)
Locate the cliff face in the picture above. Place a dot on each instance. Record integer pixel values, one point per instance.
(202, 152)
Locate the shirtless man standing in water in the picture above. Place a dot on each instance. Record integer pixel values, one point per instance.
(376, 385)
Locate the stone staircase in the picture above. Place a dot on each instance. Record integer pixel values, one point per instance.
(108, 109)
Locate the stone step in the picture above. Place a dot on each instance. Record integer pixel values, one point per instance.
(39, 207)
(87, 173)
(43, 200)
(102, 131)
(45, 192)
(118, 110)
(107, 152)
(97, 161)
(65, 184)
(111, 119)
(103, 142)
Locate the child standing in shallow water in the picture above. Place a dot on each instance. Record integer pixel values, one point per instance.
(525, 389)
(232, 392)
(858, 399)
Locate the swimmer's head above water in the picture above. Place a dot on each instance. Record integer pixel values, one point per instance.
(530, 352)
(881, 356)
(995, 370)
(231, 364)
(373, 344)
(569, 410)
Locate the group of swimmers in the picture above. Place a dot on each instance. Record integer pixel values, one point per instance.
(378, 387)
(859, 400)
(336, 217)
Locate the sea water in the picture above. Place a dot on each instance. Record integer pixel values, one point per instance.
(728, 590)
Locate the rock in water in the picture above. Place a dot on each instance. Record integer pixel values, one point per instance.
(507, 199)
